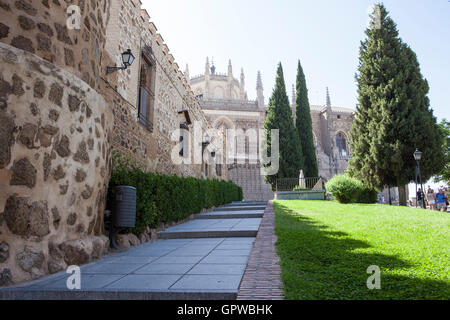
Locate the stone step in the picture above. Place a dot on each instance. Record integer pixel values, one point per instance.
(188, 269)
(231, 214)
(247, 203)
(241, 208)
(213, 228)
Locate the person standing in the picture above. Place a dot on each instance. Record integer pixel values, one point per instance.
(420, 198)
(441, 201)
(431, 196)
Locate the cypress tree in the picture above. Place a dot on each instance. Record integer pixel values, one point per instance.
(394, 116)
(444, 174)
(279, 117)
(303, 124)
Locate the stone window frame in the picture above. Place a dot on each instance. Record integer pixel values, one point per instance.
(184, 140)
(147, 82)
(346, 141)
(184, 132)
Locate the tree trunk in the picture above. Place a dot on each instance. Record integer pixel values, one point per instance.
(402, 195)
(390, 198)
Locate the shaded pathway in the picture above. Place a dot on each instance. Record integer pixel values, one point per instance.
(201, 259)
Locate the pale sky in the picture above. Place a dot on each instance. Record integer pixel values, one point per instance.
(324, 34)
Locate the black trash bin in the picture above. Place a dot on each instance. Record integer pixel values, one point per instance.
(124, 211)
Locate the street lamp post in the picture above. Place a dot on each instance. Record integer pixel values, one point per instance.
(418, 157)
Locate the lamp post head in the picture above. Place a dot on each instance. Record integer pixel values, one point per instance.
(127, 58)
(418, 155)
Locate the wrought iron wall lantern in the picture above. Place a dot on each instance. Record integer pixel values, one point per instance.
(127, 60)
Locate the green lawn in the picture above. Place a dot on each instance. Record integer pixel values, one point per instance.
(326, 248)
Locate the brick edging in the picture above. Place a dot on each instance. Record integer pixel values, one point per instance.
(262, 277)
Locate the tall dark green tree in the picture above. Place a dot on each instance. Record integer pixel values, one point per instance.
(444, 175)
(394, 115)
(303, 124)
(279, 116)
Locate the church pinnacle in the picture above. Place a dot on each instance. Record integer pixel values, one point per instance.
(328, 99)
(230, 69)
(186, 73)
(260, 91)
(259, 81)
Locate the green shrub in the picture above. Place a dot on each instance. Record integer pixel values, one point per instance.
(298, 188)
(367, 195)
(350, 190)
(163, 198)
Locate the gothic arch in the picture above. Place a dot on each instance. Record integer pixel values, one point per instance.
(223, 120)
(342, 143)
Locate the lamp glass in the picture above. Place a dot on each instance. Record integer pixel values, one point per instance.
(127, 58)
(418, 155)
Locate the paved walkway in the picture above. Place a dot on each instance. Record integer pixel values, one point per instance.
(201, 259)
(261, 279)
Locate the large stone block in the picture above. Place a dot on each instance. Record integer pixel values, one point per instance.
(29, 260)
(25, 219)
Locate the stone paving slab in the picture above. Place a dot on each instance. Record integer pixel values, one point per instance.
(235, 214)
(210, 228)
(213, 269)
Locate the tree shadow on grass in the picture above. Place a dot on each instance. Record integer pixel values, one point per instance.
(319, 263)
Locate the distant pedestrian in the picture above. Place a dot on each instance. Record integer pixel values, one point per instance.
(441, 200)
(431, 196)
(420, 198)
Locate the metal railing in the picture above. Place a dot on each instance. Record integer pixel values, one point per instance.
(294, 184)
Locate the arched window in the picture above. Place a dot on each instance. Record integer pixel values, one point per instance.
(341, 144)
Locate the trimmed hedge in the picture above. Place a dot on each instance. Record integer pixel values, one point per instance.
(350, 190)
(163, 198)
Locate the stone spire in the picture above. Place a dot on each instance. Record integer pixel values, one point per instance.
(207, 67)
(260, 91)
(328, 145)
(259, 82)
(242, 85)
(186, 73)
(328, 99)
(207, 78)
(230, 69)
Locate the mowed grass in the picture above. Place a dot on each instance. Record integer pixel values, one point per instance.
(326, 247)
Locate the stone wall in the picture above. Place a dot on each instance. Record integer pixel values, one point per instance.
(55, 137)
(40, 27)
(54, 167)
